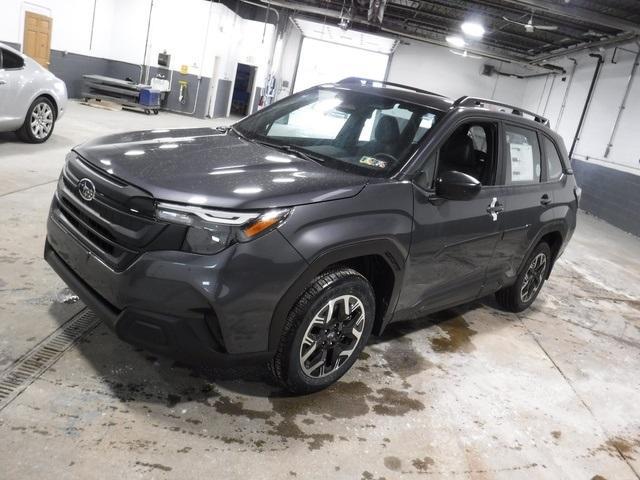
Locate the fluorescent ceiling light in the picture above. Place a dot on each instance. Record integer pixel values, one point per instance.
(456, 41)
(473, 29)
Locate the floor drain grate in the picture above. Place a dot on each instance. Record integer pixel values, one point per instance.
(36, 361)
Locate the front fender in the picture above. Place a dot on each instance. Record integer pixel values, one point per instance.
(378, 221)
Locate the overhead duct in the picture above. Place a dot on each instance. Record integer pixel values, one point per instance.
(490, 70)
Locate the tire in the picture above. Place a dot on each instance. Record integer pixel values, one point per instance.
(338, 345)
(43, 113)
(519, 297)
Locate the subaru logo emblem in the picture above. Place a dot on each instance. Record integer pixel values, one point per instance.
(87, 189)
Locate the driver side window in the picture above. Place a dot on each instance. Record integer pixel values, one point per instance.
(471, 149)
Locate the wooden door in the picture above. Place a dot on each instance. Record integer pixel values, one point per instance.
(37, 38)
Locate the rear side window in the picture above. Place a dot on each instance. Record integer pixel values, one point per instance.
(11, 60)
(554, 164)
(523, 156)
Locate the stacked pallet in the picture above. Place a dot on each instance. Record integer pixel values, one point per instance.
(122, 92)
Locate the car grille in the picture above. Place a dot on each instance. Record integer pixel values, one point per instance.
(117, 224)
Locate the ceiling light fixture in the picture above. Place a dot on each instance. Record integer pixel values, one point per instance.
(456, 41)
(473, 29)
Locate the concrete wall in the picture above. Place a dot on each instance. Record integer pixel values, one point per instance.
(610, 184)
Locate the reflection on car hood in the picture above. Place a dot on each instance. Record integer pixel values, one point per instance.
(204, 166)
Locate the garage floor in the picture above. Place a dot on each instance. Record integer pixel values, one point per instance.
(469, 393)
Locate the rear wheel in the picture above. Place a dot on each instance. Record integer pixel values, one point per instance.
(325, 331)
(39, 122)
(524, 291)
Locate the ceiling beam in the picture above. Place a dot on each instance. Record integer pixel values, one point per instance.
(579, 13)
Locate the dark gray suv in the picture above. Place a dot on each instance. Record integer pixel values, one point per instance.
(292, 236)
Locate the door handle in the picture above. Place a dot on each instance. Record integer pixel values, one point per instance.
(2, 82)
(495, 208)
(545, 199)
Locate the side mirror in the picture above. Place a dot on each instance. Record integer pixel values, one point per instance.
(454, 185)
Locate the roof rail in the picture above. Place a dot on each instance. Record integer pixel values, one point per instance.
(370, 82)
(480, 102)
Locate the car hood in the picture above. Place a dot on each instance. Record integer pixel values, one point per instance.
(204, 166)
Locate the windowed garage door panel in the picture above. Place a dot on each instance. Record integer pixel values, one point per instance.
(324, 62)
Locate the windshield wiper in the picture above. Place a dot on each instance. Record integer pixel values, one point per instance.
(292, 150)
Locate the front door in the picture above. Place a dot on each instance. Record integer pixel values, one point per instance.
(37, 38)
(453, 241)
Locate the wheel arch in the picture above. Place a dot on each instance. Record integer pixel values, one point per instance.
(51, 98)
(380, 261)
(554, 234)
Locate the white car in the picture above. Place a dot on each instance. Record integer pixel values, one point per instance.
(32, 99)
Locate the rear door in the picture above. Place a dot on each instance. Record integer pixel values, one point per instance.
(453, 241)
(12, 82)
(527, 200)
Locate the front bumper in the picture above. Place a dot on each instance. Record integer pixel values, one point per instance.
(215, 309)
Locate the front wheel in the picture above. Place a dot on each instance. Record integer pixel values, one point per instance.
(325, 331)
(523, 292)
(39, 122)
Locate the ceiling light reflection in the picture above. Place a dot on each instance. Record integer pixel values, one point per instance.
(227, 171)
(134, 153)
(277, 159)
(247, 190)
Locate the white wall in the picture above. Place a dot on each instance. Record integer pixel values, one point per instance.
(436, 69)
(182, 28)
(193, 32)
(625, 154)
(71, 29)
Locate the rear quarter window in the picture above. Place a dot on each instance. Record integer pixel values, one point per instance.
(11, 60)
(554, 164)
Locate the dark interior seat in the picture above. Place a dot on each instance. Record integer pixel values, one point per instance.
(458, 153)
(386, 138)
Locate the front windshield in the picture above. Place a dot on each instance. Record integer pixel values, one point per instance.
(352, 131)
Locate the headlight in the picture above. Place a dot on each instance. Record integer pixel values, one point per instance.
(211, 231)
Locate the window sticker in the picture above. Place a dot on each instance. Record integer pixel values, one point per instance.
(373, 162)
(521, 162)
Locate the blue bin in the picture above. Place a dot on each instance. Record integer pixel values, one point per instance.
(150, 97)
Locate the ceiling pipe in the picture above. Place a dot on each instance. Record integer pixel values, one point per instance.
(266, 7)
(566, 92)
(587, 102)
(625, 98)
(144, 77)
(546, 105)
